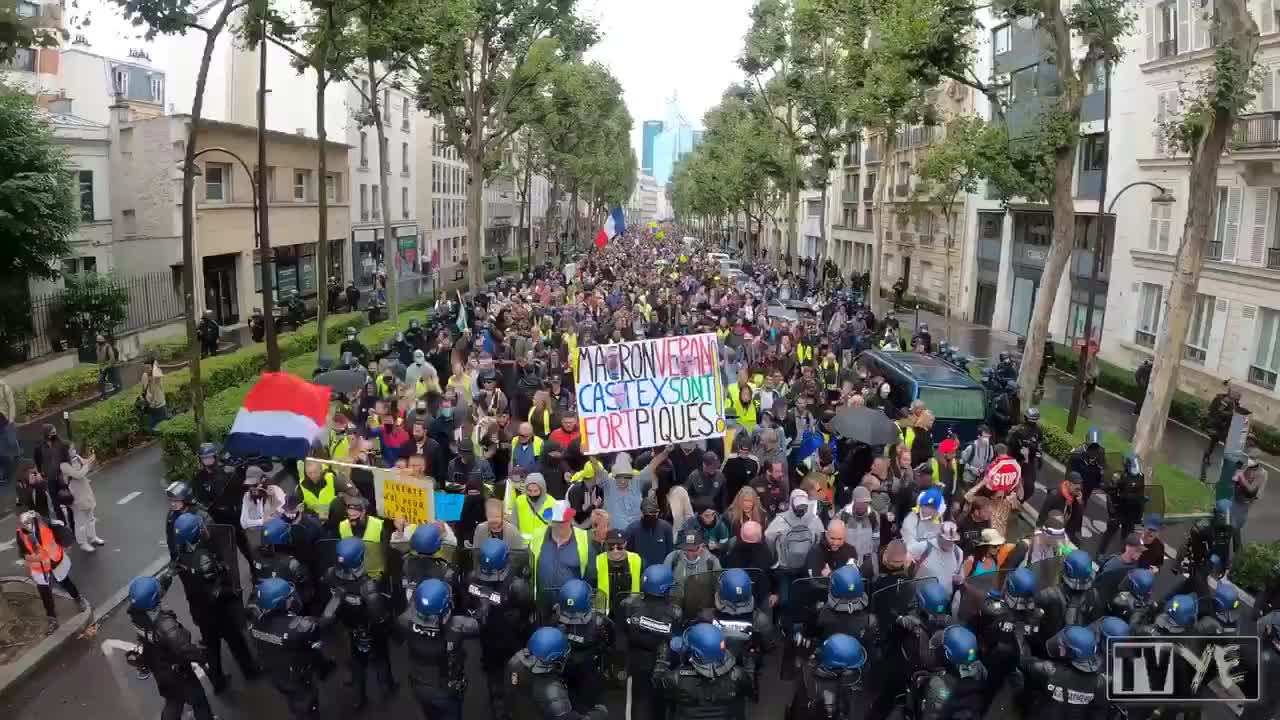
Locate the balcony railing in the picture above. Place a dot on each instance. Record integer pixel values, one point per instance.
(1214, 250)
(888, 236)
(1263, 377)
(873, 154)
(917, 136)
(925, 239)
(1273, 258)
(849, 196)
(1145, 339)
(1168, 48)
(853, 156)
(1193, 354)
(906, 238)
(902, 189)
(1257, 131)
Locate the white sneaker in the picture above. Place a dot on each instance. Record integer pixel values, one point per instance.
(98, 541)
(88, 548)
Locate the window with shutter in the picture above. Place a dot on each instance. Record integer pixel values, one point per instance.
(1161, 226)
(1235, 199)
(1261, 223)
(1184, 31)
(1149, 31)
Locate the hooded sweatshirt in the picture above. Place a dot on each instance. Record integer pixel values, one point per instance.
(534, 504)
(414, 372)
(682, 568)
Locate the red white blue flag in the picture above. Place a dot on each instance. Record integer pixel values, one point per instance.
(282, 416)
(613, 227)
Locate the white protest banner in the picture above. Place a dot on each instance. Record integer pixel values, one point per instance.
(649, 392)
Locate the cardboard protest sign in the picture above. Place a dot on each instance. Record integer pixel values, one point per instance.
(401, 495)
(649, 392)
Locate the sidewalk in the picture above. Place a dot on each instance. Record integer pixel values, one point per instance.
(1181, 446)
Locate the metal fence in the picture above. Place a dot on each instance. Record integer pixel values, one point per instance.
(154, 298)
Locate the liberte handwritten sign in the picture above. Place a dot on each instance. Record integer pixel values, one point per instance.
(649, 392)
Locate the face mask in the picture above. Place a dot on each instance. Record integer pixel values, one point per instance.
(649, 520)
(799, 511)
(446, 412)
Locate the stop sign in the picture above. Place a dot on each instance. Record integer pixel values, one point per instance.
(1003, 475)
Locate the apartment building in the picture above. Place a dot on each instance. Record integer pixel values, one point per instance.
(1235, 327)
(145, 199)
(36, 70)
(443, 199)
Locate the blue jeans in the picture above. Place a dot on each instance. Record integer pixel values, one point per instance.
(109, 379)
(155, 416)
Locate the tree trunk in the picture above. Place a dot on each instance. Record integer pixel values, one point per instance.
(475, 221)
(877, 218)
(322, 201)
(573, 214)
(1241, 42)
(189, 258)
(390, 250)
(793, 205)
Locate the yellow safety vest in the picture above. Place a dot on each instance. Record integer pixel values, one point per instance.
(723, 333)
(383, 389)
(570, 341)
(527, 521)
(804, 353)
(535, 549)
(536, 443)
(908, 439)
(372, 529)
(546, 422)
(747, 413)
(834, 380)
(933, 465)
(339, 446)
(602, 575)
(319, 503)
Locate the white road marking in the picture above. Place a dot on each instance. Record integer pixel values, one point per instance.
(129, 497)
(7, 544)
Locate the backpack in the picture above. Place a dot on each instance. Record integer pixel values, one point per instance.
(794, 546)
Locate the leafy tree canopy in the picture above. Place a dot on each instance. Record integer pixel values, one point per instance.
(38, 208)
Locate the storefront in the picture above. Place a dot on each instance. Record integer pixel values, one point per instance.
(368, 253)
(293, 271)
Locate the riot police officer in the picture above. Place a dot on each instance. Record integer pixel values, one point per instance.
(1025, 442)
(415, 336)
(1002, 618)
(276, 559)
(1068, 685)
(217, 488)
(1223, 611)
(353, 295)
(365, 611)
(289, 643)
(181, 501)
(1089, 461)
(1268, 670)
(1004, 410)
(1073, 600)
(421, 563)
(747, 630)
(208, 333)
(1126, 498)
(930, 614)
(590, 636)
(502, 602)
(955, 689)
(649, 620)
(846, 612)
(434, 637)
(402, 349)
(213, 599)
(834, 684)
(1132, 601)
(1207, 551)
(353, 345)
(704, 681)
(536, 680)
(1006, 372)
(167, 651)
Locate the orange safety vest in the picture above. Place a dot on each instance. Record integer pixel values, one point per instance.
(48, 554)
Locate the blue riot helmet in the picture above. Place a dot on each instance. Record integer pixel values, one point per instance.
(1077, 570)
(493, 559)
(960, 648)
(1113, 627)
(657, 580)
(734, 594)
(432, 602)
(350, 555)
(574, 602)
(179, 491)
(275, 532)
(848, 592)
(426, 540)
(188, 528)
(1140, 582)
(1093, 437)
(144, 593)
(1031, 415)
(207, 451)
(933, 598)
(549, 648)
(1226, 603)
(1020, 589)
(841, 653)
(274, 594)
(1080, 646)
(1132, 465)
(1180, 612)
(705, 644)
(1011, 387)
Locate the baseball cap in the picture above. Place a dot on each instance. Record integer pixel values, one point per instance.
(799, 499)
(861, 493)
(992, 536)
(1153, 522)
(690, 538)
(949, 445)
(710, 458)
(1133, 539)
(949, 531)
(1055, 524)
(614, 536)
(560, 511)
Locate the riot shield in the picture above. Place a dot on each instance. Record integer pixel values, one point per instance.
(1048, 572)
(974, 592)
(254, 536)
(222, 540)
(700, 591)
(807, 598)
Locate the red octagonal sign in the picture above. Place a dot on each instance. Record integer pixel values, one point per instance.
(1003, 475)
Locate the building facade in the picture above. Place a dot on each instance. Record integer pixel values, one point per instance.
(649, 133)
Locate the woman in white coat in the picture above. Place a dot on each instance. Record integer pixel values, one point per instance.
(75, 470)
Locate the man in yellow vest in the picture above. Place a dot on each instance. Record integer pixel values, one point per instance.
(741, 402)
(617, 570)
(558, 553)
(906, 435)
(318, 488)
(945, 469)
(369, 528)
(526, 509)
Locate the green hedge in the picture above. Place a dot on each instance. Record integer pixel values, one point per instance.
(178, 434)
(111, 426)
(47, 393)
(1254, 567)
(1185, 407)
(166, 350)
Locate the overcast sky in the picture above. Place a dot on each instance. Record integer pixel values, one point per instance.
(655, 48)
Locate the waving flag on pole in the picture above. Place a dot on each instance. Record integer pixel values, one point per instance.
(613, 227)
(281, 417)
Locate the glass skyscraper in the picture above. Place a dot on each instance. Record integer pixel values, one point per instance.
(665, 142)
(651, 130)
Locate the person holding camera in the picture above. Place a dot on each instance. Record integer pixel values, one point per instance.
(1248, 483)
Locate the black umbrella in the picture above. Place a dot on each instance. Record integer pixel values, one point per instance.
(345, 382)
(865, 425)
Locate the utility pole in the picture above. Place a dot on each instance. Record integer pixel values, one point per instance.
(264, 235)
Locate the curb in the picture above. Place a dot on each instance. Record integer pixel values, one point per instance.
(119, 596)
(31, 661)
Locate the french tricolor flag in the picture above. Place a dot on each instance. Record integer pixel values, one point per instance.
(281, 417)
(613, 227)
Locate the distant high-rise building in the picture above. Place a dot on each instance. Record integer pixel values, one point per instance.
(697, 138)
(652, 129)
